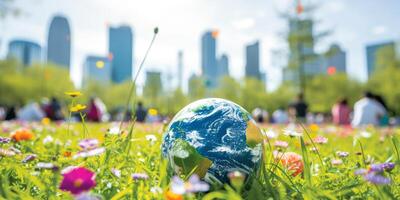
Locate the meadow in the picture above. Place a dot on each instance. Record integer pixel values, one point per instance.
(328, 162)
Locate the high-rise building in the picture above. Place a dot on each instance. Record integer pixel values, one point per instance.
(59, 42)
(25, 52)
(373, 51)
(153, 86)
(335, 60)
(121, 53)
(223, 66)
(180, 69)
(252, 68)
(209, 63)
(96, 69)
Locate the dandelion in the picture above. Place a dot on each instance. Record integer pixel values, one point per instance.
(4, 140)
(89, 153)
(21, 135)
(320, 140)
(281, 144)
(88, 144)
(151, 138)
(77, 180)
(342, 154)
(29, 158)
(139, 176)
(336, 162)
(77, 108)
(314, 127)
(73, 94)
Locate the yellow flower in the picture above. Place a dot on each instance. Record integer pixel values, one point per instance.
(74, 94)
(314, 127)
(153, 111)
(46, 121)
(77, 108)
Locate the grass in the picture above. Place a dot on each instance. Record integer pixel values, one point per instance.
(135, 152)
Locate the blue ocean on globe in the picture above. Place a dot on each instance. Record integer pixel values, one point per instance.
(212, 137)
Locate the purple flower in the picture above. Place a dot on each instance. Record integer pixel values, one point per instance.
(88, 144)
(382, 167)
(140, 176)
(342, 154)
(29, 157)
(376, 179)
(78, 180)
(116, 172)
(388, 166)
(87, 196)
(42, 165)
(4, 140)
(89, 153)
(193, 185)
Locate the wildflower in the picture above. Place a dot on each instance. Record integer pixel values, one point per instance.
(342, 154)
(4, 140)
(88, 144)
(336, 162)
(377, 179)
(87, 196)
(193, 185)
(73, 94)
(292, 162)
(365, 134)
(271, 133)
(15, 150)
(42, 165)
(116, 172)
(78, 180)
(320, 140)
(77, 108)
(21, 134)
(89, 153)
(382, 167)
(374, 174)
(6, 153)
(281, 144)
(67, 154)
(139, 176)
(156, 190)
(169, 195)
(46, 121)
(151, 138)
(291, 132)
(314, 149)
(48, 139)
(314, 127)
(113, 130)
(29, 157)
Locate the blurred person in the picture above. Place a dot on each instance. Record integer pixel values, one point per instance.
(260, 115)
(31, 112)
(300, 108)
(104, 116)
(341, 112)
(2, 113)
(53, 109)
(367, 111)
(11, 113)
(280, 116)
(383, 120)
(93, 112)
(141, 112)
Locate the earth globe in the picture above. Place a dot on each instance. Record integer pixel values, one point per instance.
(211, 138)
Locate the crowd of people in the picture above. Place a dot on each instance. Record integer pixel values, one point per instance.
(369, 110)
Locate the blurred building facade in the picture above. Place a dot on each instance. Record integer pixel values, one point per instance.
(335, 60)
(372, 52)
(209, 65)
(96, 69)
(223, 65)
(25, 52)
(121, 53)
(252, 68)
(59, 42)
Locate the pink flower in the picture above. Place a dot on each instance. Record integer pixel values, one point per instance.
(336, 162)
(281, 144)
(320, 140)
(88, 144)
(78, 180)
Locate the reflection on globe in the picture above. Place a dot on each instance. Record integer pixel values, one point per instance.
(212, 137)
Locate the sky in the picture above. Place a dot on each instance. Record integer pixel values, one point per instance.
(354, 24)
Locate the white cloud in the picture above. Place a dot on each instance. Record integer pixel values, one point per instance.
(244, 23)
(379, 30)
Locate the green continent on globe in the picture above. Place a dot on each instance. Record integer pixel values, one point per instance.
(212, 137)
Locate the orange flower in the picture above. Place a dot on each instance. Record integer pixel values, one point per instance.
(169, 195)
(21, 134)
(293, 162)
(67, 154)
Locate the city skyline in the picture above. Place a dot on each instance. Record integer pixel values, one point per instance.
(248, 24)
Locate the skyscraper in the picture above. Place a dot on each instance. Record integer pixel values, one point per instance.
(223, 66)
(252, 68)
(25, 52)
(121, 53)
(373, 51)
(98, 69)
(335, 59)
(152, 86)
(59, 42)
(209, 63)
